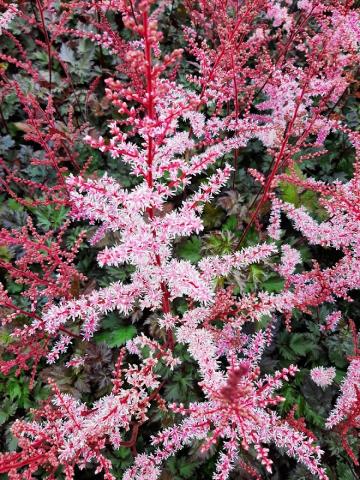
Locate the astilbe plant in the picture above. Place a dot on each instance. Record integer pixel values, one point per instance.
(174, 138)
(346, 414)
(46, 272)
(39, 262)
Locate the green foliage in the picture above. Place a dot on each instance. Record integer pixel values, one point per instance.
(7, 410)
(49, 218)
(292, 346)
(118, 337)
(273, 284)
(298, 196)
(344, 471)
(213, 216)
(113, 332)
(302, 343)
(219, 243)
(181, 468)
(190, 249)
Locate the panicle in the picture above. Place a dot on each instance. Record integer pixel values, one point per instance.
(323, 377)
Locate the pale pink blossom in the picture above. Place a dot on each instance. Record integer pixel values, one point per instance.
(323, 377)
(348, 396)
(7, 16)
(331, 321)
(290, 258)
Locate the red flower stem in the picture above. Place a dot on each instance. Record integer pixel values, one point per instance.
(151, 146)
(275, 168)
(47, 40)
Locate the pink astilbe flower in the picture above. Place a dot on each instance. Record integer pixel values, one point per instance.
(147, 230)
(348, 398)
(238, 412)
(46, 253)
(67, 432)
(279, 15)
(7, 16)
(290, 258)
(340, 230)
(331, 321)
(345, 416)
(323, 377)
(46, 271)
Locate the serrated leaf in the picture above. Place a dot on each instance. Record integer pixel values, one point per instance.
(49, 217)
(7, 409)
(14, 390)
(344, 472)
(301, 344)
(5, 253)
(190, 250)
(111, 321)
(14, 288)
(6, 143)
(309, 200)
(289, 193)
(274, 285)
(213, 216)
(231, 224)
(286, 353)
(67, 54)
(116, 338)
(14, 205)
(256, 273)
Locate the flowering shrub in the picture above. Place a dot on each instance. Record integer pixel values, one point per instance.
(117, 221)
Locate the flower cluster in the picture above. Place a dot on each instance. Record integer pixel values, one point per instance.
(7, 16)
(345, 416)
(323, 377)
(66, 432)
